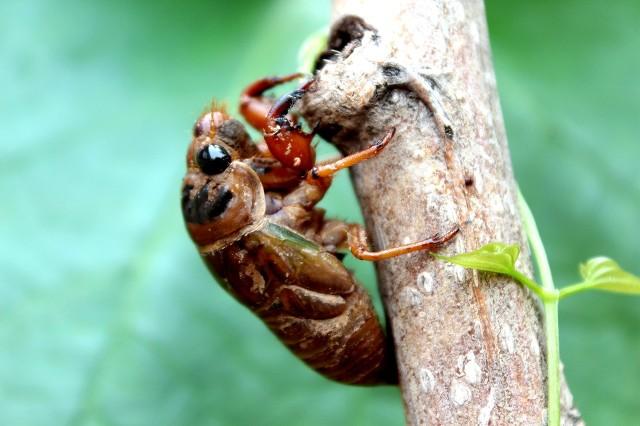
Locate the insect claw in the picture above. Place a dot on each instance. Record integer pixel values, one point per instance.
(381, 143)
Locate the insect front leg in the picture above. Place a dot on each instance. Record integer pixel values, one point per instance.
(426, 89)
(273, 176)
(343, 235)
(327, 170)
(297, 207)
(254, 107)
(286, 140)
(318, 179)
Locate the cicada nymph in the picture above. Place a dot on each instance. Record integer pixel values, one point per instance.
(251, 210)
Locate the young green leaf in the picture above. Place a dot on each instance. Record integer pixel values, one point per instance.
(602, 273)
(493, 257)
(500, 258)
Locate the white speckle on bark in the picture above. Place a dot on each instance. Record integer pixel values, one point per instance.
(459, 271)
(460, 248)
(478, 180)
(475, 33)
(433, 12)
(457, 10)
(425, 282)
(433, 199)
(490, 78)
(412, 296)
(485, 412)
(455, 272)
(427, 381)
(506, 339)
(535, 346)
(460, 393)
(497, 203)
(451, 213)
(471, 369)
(511, 208)
(477, 328)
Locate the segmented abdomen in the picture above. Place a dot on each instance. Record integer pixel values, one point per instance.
(312, 303)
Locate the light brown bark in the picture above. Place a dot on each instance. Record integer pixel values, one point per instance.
(469, 346)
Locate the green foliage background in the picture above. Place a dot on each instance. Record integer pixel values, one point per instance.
(107, 315)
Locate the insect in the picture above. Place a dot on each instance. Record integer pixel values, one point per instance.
(250, 209)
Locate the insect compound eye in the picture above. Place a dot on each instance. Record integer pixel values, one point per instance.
(213, 159)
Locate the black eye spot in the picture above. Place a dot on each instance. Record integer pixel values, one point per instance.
(186, 191)
(221, 203)
(213, 159)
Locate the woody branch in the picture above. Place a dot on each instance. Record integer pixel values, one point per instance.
(469, 346)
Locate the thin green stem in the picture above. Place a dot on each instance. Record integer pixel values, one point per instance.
(574, 288)
(553, 361)
(532, 285)
(550, 311)
(539, 253)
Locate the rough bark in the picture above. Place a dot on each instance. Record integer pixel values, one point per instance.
(469, 346)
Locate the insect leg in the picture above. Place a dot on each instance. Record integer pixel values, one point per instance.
(329, 169)
(426, 89)
(273, 176)
(307, 194)
(286, 140)
(334, 235)
(255, 108)
(357, 239)
(298, 202)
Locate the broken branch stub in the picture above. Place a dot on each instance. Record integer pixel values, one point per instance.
(469, 346)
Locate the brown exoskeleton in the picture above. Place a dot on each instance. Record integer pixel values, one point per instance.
(251, 211)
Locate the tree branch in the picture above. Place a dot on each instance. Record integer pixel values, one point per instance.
(470, 347)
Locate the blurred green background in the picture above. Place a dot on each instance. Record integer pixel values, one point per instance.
(107, 315)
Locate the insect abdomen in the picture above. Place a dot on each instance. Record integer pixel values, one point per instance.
(336, 332)
(348, 348)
